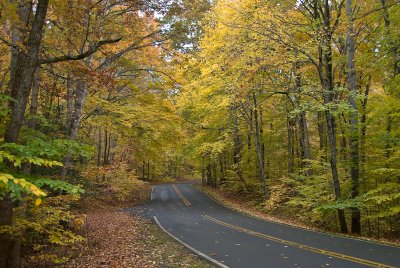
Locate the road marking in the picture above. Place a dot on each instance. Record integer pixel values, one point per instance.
(298, 245)
(248, 214)
(151, 194)
(201, 254)
(183, 198)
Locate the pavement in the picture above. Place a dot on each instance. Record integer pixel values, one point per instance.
(230, 239)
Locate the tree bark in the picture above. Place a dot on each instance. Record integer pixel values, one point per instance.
(290, 142)
(33, 110)
(108, 148)
(323, 143)
(257, 143)
(80, 98)
(23, 73)
(363, 123)
(18, 36)
(302, 122)
(329, 96)
(23, 67)
(237, 149)
(105, 161)
(70, 96)
(354, 135)
(99, 147)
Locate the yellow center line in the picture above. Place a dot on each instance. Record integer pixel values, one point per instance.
(178, 192)
(298, 245)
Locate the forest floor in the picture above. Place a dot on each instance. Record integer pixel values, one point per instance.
(243, 204)
(119, 239)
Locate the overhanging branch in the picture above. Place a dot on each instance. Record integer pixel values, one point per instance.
(83, 55)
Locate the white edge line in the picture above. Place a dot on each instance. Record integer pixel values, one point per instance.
(151, 194)
(201, 254)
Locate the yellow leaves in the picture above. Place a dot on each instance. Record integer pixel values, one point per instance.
(38, 201)
(16, 185)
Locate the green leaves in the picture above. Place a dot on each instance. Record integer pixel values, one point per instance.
(17, 186)
(58, 185)
(17, 161)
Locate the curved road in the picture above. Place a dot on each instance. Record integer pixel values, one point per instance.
(231, 239)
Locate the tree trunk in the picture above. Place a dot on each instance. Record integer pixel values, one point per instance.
(237, 149)
(363, 125)
(148, 169)
(266, 174)
(302, 122)
(354, 136)
(394, 46)
(105, 161)
(333, 160)
(143, 170)
(99, 148)
(323, 143)
(23, 67)
(19, 35)
(80, 98)
(6, 258)
(290, 142)
(209, 175)
(257, 143)
(33, 110)
(70, 96)
(249, 138)
(329, 96)
(108, 148)
(23, 73)
(214, 175)
(203, 172)
(304, 142)
(222, 168)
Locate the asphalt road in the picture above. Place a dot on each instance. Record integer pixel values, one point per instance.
(231, 239)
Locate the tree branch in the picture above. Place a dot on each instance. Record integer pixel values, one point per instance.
(83, 55)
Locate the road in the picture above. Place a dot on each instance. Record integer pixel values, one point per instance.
(231, 239)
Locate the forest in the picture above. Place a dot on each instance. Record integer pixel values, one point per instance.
(292, 104)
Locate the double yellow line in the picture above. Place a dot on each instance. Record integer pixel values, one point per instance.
(298, 245)
(178, 192)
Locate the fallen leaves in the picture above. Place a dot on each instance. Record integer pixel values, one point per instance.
(114, 240)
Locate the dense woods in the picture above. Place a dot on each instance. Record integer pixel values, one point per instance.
(293, 104)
